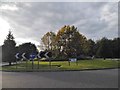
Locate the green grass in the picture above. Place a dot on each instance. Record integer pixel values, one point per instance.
(64, 65)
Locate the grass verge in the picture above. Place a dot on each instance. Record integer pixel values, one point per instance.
(63, 65)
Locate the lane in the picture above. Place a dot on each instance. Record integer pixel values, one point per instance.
(73, 79)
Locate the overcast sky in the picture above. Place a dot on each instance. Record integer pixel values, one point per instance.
(30, 21)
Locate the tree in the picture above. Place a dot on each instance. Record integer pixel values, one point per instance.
(70, 42)
(27, 48)
(9, 49)
(49, 40)
(91, 47)
(0, 54)
(104, 48)
(116, 48)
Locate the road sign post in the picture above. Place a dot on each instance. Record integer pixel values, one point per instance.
(38, 63)
(32, 56)
(26, 63)
(38, 55)
(17, 57)
(69, 62)
(16, 63)
(48, 55)
(24, 58)
(50, 63)
(77, 62)
(32, 63)
(73, 60)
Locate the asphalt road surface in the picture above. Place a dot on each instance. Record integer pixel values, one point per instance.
(68, 79)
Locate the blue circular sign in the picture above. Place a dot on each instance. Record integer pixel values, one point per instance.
(32, 56)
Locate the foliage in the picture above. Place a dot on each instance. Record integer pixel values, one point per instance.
(108, 48)
(49, 40)
(91, 47)
(9, 49)
(69, 42)
(27, 48)
(115, 45)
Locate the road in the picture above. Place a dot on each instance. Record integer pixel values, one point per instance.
(72, 79)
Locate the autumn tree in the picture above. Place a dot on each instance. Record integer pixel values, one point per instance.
(49, 40)
(70, 42)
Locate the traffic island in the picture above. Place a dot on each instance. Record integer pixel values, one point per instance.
(62, 66)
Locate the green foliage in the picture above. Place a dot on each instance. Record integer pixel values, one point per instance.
(27, 48)
(115, 45)
(108, 48)
(69, 42)
(91, 47)
(9, 49)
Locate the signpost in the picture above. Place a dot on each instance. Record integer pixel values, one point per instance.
(39, 57)
(73, 60)
(24, 58)
(32, 56)
(48, 55)
(17, 57)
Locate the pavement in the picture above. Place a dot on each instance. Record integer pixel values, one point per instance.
(68, 79)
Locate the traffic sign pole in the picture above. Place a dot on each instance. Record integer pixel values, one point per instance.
(24, 58)
(26, 63)
(50, 63)
(32, 63)
(16, 58)
(38, 63)
(77, 62)
(69, 63)
(46, 55)
(32, 56)
(38, 55)
(16, 63)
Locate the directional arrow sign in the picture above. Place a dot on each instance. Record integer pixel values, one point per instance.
(38, 55)
(17, 55)
(46, 55)
(42, 54)
(23, 56)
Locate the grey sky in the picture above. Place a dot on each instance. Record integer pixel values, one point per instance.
(30, 21)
